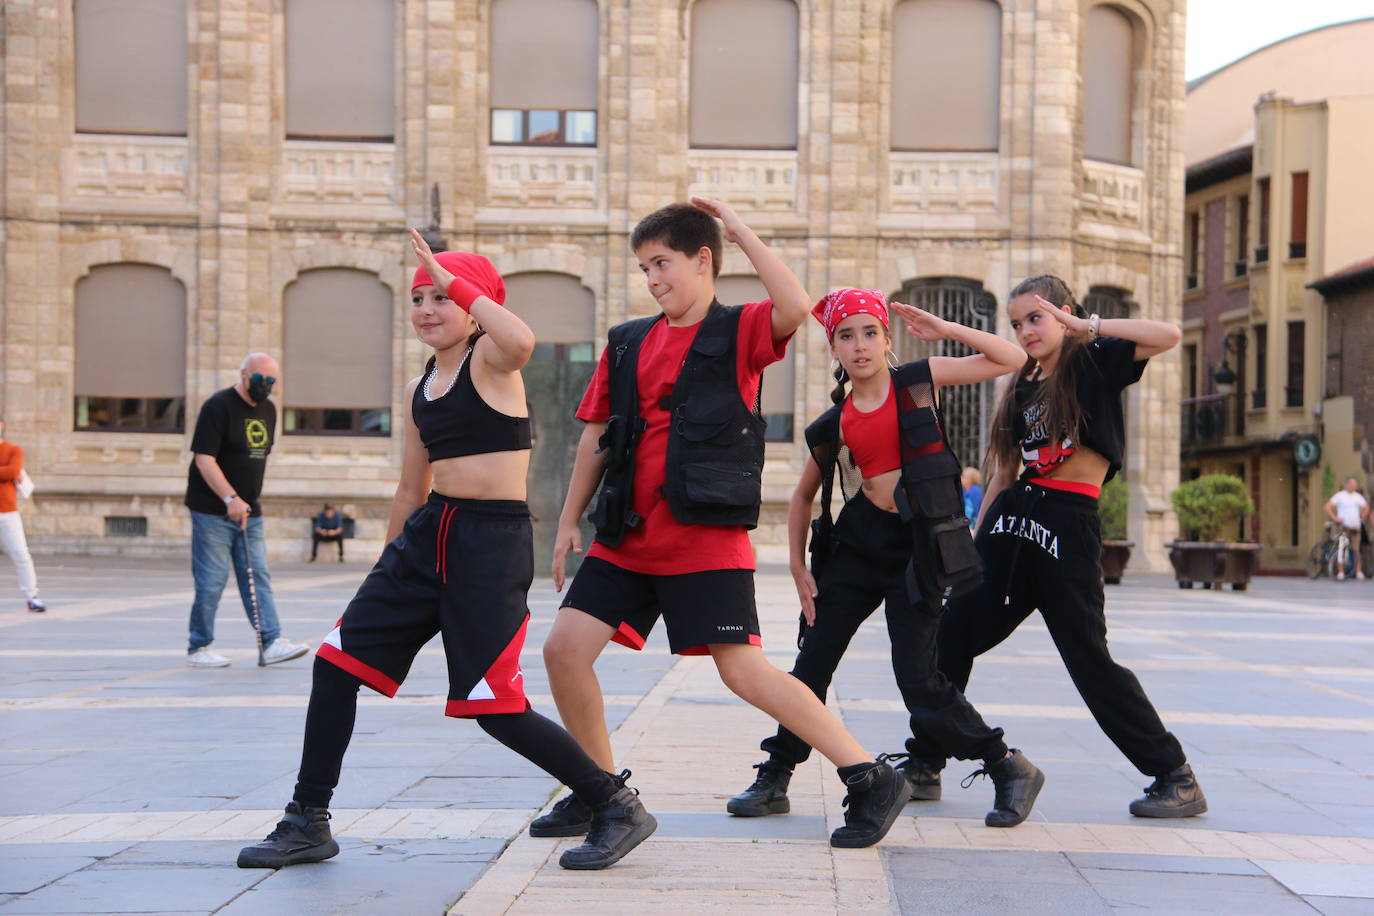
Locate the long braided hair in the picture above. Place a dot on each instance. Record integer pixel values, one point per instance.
(1059, 395)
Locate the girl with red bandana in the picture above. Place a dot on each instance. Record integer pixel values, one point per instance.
(458, 562)
(898, 540)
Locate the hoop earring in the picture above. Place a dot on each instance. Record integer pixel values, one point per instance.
(834, 366)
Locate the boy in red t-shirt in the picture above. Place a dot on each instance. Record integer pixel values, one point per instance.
(669, 425)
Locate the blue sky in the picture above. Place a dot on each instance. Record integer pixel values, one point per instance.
(1219, 31)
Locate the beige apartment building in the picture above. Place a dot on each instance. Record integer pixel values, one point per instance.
(1280, 199)
(186, 182)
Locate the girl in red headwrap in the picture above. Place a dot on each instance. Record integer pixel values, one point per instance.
(458, 562)
(901, 538)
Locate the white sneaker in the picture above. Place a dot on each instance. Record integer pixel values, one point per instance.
(282, 650)
(204, 658)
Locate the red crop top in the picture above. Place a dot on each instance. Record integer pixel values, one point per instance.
(872, 436)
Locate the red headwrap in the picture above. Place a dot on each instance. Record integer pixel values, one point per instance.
(473, 268)
(842, 303)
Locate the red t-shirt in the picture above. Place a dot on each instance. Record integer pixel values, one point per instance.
(660, 545)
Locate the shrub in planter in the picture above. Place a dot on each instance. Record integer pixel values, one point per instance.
(1116, 550)
(1211, 505)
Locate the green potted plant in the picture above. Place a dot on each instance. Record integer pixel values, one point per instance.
(1210, 506)
(1116, 549)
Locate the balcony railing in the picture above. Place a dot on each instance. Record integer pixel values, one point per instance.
(337, 172)
(1211, 419)
(542, 176)
(108, 166)
(955, 182)
(758, 179)
(1113, 193)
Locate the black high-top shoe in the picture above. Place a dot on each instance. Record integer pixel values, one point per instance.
(617, 827)
(876, 796)
(924, 781)
(301, 836)
(570, 815)
(767, 794)
(1175, 794)
(1016, 783)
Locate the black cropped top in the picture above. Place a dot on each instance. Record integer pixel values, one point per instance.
(458, 422)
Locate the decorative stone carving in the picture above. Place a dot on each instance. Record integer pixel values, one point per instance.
(955, 182)
(335, 172)
(533, 175)
(753, 179)
(1113, 193)
(124, 167)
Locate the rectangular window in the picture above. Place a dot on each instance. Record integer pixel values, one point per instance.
(340, 70)
(1190, 368)
(543, 127)
(1297, 235)
(130, 64)
(1261, 365)
(1194, 243)
(95, 413)
(1242, 234)
(1296, 346)
(338, 421)
(1262, 244)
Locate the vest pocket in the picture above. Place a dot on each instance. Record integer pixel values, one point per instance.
(934, 480)
(954, 547)
(696, 424)
(718, 484)
(919, 428)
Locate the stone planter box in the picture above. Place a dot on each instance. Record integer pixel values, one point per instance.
(1115, 555)
(1214, 563)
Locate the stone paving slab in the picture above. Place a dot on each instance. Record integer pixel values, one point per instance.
(128, 782)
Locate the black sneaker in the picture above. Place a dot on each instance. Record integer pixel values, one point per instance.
(1016, 783)
(617, 827)
(876, 796)
(302, 836)
(923, 779)
(767, 794)
(570, 815)
(1175, 794)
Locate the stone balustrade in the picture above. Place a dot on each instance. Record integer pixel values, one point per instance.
(944, 181)
(535, 175)
(327, 171)
(754, 179)
(1113, 193)
(127, 167)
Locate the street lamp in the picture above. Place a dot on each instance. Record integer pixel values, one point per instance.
(1224, 378)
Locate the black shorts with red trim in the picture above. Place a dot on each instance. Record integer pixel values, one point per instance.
(699, 609)
(459, 567)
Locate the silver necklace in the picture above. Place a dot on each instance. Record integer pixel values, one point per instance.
(429, 379)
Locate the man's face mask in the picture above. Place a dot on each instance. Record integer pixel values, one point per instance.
(260, 386)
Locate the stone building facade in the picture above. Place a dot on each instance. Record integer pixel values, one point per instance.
(942, 149)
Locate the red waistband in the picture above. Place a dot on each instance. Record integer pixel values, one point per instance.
(1069, 486)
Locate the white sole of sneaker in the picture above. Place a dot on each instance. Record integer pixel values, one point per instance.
(297, 653)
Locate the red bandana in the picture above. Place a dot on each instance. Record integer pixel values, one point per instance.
(473, 268)
(842, 303)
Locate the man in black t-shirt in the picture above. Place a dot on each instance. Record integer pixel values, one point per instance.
(234, 434)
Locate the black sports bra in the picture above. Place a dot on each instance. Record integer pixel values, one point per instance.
(458, 422)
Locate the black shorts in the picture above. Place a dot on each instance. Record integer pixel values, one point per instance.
(460, 567)
(699, 609)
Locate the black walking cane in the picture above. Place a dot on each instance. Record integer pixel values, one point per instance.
(252, 593)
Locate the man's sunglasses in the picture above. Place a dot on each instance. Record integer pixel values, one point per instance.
(259, 378)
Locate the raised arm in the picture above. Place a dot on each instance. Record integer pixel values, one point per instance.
(791, 305)
(1151, 338)
(995, 356)
(512, 338)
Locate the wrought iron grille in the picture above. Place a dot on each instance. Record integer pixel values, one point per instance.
(967, 408)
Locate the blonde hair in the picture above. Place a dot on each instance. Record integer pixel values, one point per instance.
(972, 475)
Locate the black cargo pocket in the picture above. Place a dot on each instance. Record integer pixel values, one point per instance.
(935, 484)
(919, 429)
(600, 516)
(954, 548)
(722, 485)
(696, 424)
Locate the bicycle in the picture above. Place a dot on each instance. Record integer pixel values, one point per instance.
(1334, 554)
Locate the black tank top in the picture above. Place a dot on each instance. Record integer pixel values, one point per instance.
(458, 422)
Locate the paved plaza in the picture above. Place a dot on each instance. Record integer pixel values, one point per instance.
(130, 781)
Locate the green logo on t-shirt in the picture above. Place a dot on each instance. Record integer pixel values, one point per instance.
(255, 432)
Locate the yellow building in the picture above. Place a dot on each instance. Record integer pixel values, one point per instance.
(186, 182)
(1279, 197)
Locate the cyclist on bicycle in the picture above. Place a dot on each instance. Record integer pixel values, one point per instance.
(1349, 509)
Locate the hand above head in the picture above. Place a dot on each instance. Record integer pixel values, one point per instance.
(734, 226)
(921, 323)
(441, 276)
(1067, 318)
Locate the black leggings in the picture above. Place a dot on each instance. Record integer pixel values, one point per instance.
(867, 568)
(334, 707)
(1042, 549)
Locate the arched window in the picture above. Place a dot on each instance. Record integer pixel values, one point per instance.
(340, 75)
(1108, 301)
(946, 74)
(779, 379)
(967, 408)
(131, 66)
(336, 362)
(544, 72)
(744, 74)
(1110, 59)
(130, 350)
